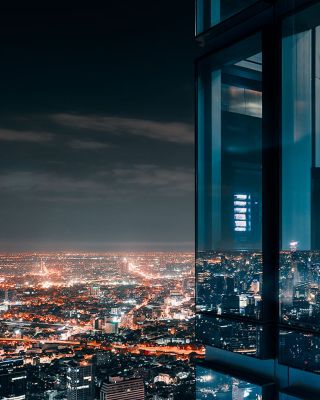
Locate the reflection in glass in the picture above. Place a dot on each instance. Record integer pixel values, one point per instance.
(229, 192)
(301, 350)
(239, 337)
(211, 12)
(299, 288)
(300, 256)
(229, 283)
(230, 148)
(214, 385)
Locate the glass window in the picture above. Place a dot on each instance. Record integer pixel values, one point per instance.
(297, 393)
(211, 12)
(285, 396)
(236, 336)
(230, 282)
(229, 259)
(300, 350)
(211, 384)
(300, 256)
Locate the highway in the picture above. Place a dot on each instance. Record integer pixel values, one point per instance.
(44, 341)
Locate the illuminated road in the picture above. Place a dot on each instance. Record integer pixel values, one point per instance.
(69, 342)
(186, 351)
(160, 349)
(29, 323)
(127, 319)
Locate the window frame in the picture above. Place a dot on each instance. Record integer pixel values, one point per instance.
(270, 167)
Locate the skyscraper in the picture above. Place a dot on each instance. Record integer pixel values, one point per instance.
(13, 379)
(79, 381)
(131, 389)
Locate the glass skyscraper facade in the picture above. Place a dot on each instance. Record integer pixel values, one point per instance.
(258, 196)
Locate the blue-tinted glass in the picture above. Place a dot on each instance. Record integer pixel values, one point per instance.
(300, 256)
(229, 207)
(298, 393)
(214, 385)
(284, 396)
(229, 282)
(211, 12)
(301, 350)
(239, 337)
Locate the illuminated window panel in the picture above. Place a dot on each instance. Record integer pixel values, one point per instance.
(241, 223)
(240, 217)
(239, 229)
(240, 203)
(242, 210)
(241, 196)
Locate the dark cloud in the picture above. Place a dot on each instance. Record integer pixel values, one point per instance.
(178, 132)
(105, 184)
(11, 135)
(78, 144)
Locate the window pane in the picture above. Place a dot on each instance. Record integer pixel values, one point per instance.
(303, 396)
(298, 393)
(211, 12)
(230, 283)
(215, 385)
(239, 337)
(300, 257)
(229, 259)
(300, 350)
(284, 396)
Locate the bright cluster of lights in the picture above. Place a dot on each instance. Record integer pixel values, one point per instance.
(242, 212)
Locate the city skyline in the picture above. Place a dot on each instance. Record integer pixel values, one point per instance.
(72, 324)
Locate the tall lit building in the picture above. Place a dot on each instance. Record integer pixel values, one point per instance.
(258, 196)
(131, 389)
(13, 379)
(95, 290)
(80, 381)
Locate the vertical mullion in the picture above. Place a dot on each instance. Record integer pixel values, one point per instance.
(270, 175)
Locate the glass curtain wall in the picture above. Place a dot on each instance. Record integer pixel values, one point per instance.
(211, 384)
(300, 228)
(229, 185)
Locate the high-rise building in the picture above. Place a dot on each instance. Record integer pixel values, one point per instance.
(111, 326)
(13, 379)
(258, 194)
(80, 381)
(95, 290)
(130, 389)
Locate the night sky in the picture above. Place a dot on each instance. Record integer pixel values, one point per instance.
(96, 127)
